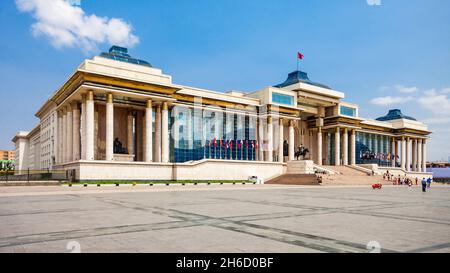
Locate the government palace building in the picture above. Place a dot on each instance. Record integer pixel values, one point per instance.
(119, 118)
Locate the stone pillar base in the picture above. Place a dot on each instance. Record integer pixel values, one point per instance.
(300, 167)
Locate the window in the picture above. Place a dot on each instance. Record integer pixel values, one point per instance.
(348, 111)
(282, 99)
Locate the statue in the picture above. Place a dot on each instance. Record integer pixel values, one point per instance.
(285, 148)
(301, 151)
(118, 149)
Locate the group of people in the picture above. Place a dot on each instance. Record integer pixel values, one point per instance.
(426, 183)
(399, 180)
(368, 155)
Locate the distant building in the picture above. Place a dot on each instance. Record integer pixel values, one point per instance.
(6, 155)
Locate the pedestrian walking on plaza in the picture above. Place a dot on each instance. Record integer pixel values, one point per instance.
(424, 185)
(429, 182)
(417, 181)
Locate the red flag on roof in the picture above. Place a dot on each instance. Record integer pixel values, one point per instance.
(300, 55)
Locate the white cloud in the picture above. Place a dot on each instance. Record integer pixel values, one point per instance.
(69, 26)
(436, 120)
(445, 90)
(389, 100)
(374, 2)
(406, 90)
(399, 88)
(438, 104)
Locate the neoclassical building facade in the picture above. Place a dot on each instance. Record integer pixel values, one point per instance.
(118, 117)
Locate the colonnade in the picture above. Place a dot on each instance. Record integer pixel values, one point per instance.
(412, 154)
(77, 124)
(76, 131)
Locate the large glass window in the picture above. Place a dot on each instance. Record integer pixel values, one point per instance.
(198, 134)
(282, 99)
(348, 111)
(373, 149)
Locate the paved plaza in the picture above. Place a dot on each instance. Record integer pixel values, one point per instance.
(227, 218)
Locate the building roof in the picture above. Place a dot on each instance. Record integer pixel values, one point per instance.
(297, 77)
(121, 54)
(395, 114)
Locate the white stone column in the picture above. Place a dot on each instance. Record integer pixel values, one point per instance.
(291, 141)
(130, 140)
(261, 140)
(419, 155)
(403, 156)
(188, 128)
(157, 157)
(165, 133)
(397, 152)
(311, 144)
(90, 126)
(319, 146)
(109, 151)
(345, 147)
(83, 127)
(269, 139)
(424, 155)
(408, 154)
(64, 136)
(353, 147)
(69, 133)
(414, 154)
(76, 132)
(60, 137)
(148, 132)
(393, 151)
(337, 148)
(281, 142)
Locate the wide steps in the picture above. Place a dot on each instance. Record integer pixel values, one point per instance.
(295, 179)
(350, 176)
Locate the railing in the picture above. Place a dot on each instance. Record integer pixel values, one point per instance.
(33, 175)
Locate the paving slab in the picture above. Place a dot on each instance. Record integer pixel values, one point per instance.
(240, 218)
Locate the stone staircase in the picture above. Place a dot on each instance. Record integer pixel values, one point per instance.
(350, 176)
(297, 173)
(294, 179)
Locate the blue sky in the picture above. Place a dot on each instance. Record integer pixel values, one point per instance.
(393, 55)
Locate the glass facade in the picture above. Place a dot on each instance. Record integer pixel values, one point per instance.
(331, 137)
(282, 99)
(373, 149)
(209, 134)
(348, 111)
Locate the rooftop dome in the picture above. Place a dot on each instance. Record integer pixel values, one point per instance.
(299, 76)
(395, 114)
(118, 53)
